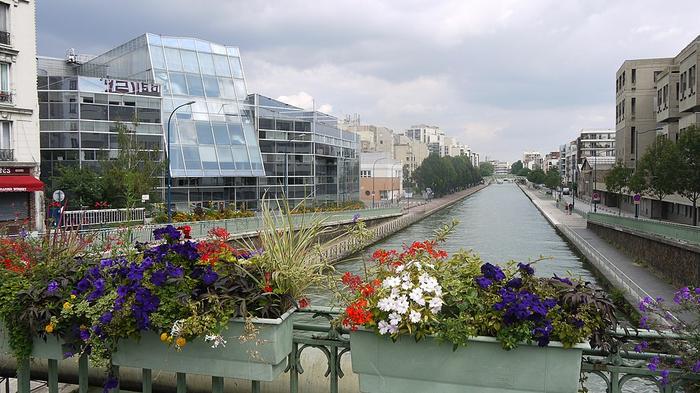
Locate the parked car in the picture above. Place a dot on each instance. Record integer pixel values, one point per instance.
(565, 191)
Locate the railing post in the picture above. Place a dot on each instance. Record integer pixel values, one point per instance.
(23, 376)
(293, 372)
(254, 387)
(53, 375)
(83, 374)
(146, 380)
(181, 383)
(333, 360)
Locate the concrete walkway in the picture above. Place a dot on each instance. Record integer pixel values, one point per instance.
(617, 267)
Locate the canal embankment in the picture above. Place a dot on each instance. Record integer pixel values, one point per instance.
(619, 269)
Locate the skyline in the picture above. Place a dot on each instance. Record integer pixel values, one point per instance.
(501, 77)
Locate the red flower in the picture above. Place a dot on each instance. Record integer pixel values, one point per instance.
(357, 314)
(351, 280)
(220, 233)
(186, 230)
(268, 289)
(303, 303)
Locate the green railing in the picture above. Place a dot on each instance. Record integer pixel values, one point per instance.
(677, 232)
(242, 226)
(313, 329)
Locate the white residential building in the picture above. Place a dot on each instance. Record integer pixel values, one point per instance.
(532, 160)
(432, 136)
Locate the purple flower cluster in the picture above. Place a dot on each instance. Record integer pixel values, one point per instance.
(491, 273)
(168, 233)
(526, 269)
(53, 287)
(522, 306)
(641, 347)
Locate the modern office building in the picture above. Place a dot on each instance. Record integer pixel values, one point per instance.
(21, 193)
(215, 135)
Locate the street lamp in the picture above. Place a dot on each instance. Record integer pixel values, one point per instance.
(374, 175)
(392, 183)
(595, 165)
(170, 177)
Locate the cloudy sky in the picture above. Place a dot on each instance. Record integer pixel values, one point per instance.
(501, 76)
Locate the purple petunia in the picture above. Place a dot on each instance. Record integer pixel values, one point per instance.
(641, 347)
(696, 367)
(681, 295)
(563, 280)
(158, 278)
(492, 272)
(665, 380)
(83, 285)
(106, 318)
(483, 282)
(52, 288)
(168, 233)
(84, 334)
(515, 283)
(110, 384)
(209, 277)
(526, 269)
(644, 322)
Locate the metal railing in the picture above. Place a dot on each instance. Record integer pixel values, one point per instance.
(81, 218)
(5, 38)
(5, 97)
(313, 329)
(7, 154)
(676, 232)
(239, 227)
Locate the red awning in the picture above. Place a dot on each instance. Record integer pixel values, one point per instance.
(20, 184)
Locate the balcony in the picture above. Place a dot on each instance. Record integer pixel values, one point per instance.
(5, 97)
(7, 155)
(5, 38)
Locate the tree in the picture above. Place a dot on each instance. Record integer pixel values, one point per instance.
(617, 180)
(552, 179)
(689, 172)
(659, 168)
(408, 183)
(134, 172)
(536, 176)
(516, 167)
(83, 186)
(446, 174)
(523, 172)
(486, 169)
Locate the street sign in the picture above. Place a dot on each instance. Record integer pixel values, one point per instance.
(145, 197)
(59, 196)
(596, 197)
(637, 199)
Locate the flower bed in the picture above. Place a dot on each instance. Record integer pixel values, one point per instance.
(421, 292)
(196, 307)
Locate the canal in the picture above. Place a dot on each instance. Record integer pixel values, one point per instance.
(500, 224)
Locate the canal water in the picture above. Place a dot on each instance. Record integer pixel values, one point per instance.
(500, 224)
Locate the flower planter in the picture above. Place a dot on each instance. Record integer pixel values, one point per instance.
(260, 359)
(407, 366)
(49, 349)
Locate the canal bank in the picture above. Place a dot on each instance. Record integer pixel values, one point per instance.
(620, 270)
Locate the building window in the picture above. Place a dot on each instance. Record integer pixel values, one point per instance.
(4, 78)
(5, 135)
(634, 105)
(634, 75)
(4, 25)
(691, 79)
(633, 136)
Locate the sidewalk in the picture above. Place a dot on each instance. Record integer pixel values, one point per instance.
(618, 268)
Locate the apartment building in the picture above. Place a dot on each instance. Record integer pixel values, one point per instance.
(595, 143)
(381, 178)
(432, 136)
(532, 160)
(635, 120)
(551, 161)
(410, 152)
(21, 193)
(571, 168)
(372, 138)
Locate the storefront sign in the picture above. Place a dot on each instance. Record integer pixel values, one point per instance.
(15, 171)
(130, 87)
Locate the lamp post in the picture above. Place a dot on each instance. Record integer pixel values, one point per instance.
(595, 165)
(374, 177)
(170, 178)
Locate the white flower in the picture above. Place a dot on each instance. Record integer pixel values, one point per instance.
(428, 283)
(395, 293)
(417, 296)
(401, 305)
(394, 319)
(414, 317)
(406, 285)
(177, 328)
(383, 327)
(435, 305)
(391, 282)
(386, 303)
(438, 291)
(400, 268)
(216, 340)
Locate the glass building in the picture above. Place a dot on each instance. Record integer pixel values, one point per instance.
(215, 143)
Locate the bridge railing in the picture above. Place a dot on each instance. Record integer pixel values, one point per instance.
(313, 328)
(81, 218)
(672, 231)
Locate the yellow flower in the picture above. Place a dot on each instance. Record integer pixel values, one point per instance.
(49, 328)
(67, 306)
(164, 337)
(72, 297)
(180, 342)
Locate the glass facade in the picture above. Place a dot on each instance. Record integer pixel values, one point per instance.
(219, 153)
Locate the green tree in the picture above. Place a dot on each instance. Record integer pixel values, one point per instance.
(523, 172)
(552, 179)
(659, 168)
(445, 174)
(516, 167)
(689, 172)
(536, 176)
(408, 183)
(135, 171)
(83, 186)
(486, 169)
(617, 180)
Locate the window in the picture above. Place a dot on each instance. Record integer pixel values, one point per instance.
(691, 79)
(634, 75)
(194, 82)
(5, 135)
(4, 25)
(221, 66)
(4, 78)
(172, 58)
(211, 86)
(633, 137)
(665, 97)
(623, 78)
(634, 105)
(683, 86)
(189, 61)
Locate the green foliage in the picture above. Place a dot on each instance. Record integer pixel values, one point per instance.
(552, 179)
(659, 168)
(83, 186)
(516, 167)
(618, 179)
(446, 174)
(689, 171)
(486, 169)
(536, 176)
(523, 172)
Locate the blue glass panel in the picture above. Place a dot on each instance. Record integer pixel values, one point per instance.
(204, 135)
(178, 84)
(188, 134)
(236, 68)
(207, 64)
(194, 82)
(231, 51)
(157, 57)
(174, 135)
(235, 131)
(239, 86)
(218, 49)
(208, 156)
(189, 61)
(211, 86)
(202, 46)
(221, 134)
(170, 41)
(226, 88)
(154, 39)
(176, 158)
(225, 157)
(191, 155)
(187, 43)
(249, 132)
(172, 57)
(221, 65)
(163, 80)
(240, 157)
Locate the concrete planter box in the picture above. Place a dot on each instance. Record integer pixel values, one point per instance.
(483, 366)
(51, 348)
(261, 359)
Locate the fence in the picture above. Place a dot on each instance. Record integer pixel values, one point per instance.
(313, 328)
(81, 218)
(672, 231)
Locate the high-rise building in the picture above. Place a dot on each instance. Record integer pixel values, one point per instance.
(215, 138)
(21, 193)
